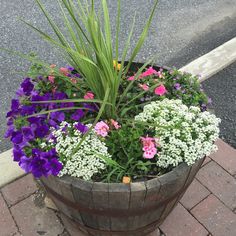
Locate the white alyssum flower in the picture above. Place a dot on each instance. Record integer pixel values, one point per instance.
(184, 134)
(84, 162)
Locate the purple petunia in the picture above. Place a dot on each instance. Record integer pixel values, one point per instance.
(77, 115)
(25, 164)
(58, 116)
(54, 166)
(17, 137)
(27, 133)
(17, 154)
(27, 86)
(9, 131)
(39, 167)
(82, 128)
(41, 131)
(27, 110)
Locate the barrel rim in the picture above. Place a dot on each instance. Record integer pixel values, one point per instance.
(121, 187)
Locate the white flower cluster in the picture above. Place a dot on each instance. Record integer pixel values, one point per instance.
(184, 134)
(84, 163)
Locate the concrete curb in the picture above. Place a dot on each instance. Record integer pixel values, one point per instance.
(8, 168)
(207, 65)
(214, 61)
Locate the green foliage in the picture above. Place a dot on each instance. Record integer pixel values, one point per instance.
(89, 48)
(125, 147)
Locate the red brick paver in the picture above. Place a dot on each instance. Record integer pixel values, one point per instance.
(207, 159)
(33, 220)
(19, 190)
(180, 222)
(7, 224)
(216, 217)
(225, 157)
(219, 182)
(194, 194)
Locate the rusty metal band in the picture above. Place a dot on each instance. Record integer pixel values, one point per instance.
(117, 213)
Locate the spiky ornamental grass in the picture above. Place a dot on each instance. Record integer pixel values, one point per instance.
(88, 47)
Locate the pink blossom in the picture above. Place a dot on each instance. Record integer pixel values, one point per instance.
(64, 71)
(53, 66)
(89, 96)
(115, 124)
(145, 87)
(73, 80)
(149, 147)
(150, 153)
(101, 128)
(148, 72)
(131, 78)
(148, 142)
(51, 79)
(160, 90)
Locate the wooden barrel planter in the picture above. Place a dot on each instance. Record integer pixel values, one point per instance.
(116, 209)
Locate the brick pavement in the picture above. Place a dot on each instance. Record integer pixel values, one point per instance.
(207, 208)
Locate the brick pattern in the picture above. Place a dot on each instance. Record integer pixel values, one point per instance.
(216, 217)
(19, 190)
(207, 208)
(219, 182)
(33, 220)
(180, 223)
(7, 224)
(194, 194)
(225, 157)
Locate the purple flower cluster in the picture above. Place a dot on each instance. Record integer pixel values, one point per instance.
(40, 163)
(26, 131)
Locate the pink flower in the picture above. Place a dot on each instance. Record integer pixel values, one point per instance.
(149, 147)
(145, 87)
(53, 66)
(51, 79)
(148, 142)
(115, 124)
(160, 90)
(131, 78)
(64, 71)
(150, 153)
(89, 96)
(101, 128)
(148, 72)
(73, 80)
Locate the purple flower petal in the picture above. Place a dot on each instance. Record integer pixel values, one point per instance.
(177, 86)
(77, 115)
(41, 131)
(27, 133)
(17, 154)
(82, 128)
(9, 131)
(17, 137)
(25, 163)
(54, 166)
(27, 86)
(58, 116)
(39, 167)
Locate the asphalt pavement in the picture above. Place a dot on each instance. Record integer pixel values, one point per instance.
(181, 31)
(222, 90)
